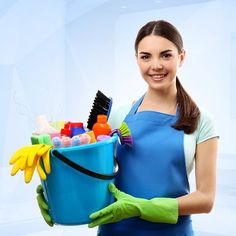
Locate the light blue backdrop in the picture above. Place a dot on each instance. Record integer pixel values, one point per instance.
(55, 55)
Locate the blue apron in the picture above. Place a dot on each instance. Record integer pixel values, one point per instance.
(153, 167)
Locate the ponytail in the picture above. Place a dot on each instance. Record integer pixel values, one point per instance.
(189, 112)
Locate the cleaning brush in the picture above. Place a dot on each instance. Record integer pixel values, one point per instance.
(101, 106)
(124, 134)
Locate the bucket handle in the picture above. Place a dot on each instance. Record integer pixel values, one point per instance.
(84, 170)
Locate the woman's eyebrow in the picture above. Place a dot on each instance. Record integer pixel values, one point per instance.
(146, 53)
(165, 51)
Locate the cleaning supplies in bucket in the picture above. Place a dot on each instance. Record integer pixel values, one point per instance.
(77, 184)
(37, 155)
(74, 176)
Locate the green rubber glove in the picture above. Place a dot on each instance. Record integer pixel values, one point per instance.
(162, 210)
(43, 206)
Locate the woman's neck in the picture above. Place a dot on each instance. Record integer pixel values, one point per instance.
(164, 101)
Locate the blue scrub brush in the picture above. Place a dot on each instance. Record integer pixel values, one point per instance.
(124, 134)
(101, 106)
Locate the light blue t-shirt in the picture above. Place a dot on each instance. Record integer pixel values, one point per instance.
(205, 130)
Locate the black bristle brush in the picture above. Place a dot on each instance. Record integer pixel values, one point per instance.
(101, 106)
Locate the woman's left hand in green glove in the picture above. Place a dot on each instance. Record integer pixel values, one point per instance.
(162, 210)
(123, 208)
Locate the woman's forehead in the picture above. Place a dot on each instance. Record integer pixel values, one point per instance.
(154, 42)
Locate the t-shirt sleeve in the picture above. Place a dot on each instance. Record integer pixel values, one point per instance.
(118, 115)
(206, 128)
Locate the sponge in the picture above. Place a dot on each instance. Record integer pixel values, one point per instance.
(41, 139)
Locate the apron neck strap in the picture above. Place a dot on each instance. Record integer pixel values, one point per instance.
(136, 106)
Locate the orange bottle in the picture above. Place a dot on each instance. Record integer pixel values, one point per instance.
(101, 127)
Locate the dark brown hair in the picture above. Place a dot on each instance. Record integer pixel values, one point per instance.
(188, 110)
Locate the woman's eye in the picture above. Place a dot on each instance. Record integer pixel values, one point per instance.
(145, 57)
(166, 56)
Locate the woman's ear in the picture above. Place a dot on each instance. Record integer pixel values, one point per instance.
(181, 58)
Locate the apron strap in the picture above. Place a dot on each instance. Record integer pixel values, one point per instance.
(136, 106)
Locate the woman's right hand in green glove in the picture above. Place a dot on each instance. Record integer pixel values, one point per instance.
(43, 206)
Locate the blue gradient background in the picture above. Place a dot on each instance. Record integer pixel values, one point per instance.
(55, 55)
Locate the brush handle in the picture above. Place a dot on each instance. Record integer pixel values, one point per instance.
(118, 132)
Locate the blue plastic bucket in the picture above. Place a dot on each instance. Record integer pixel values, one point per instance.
(78, 187)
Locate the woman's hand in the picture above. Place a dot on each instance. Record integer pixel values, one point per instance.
(163, 210)
(43, 206)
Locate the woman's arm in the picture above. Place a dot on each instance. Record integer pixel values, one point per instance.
(201, 201)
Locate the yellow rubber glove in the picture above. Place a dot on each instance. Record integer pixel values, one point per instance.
(29, 158)
(162, 210)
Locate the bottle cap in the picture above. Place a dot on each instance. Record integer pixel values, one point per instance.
(65, 132)
(76, 124)
(67, 125)
(101, 118)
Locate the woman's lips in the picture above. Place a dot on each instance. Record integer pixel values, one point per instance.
(158, 77)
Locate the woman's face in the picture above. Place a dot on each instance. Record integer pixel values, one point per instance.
(158, 60)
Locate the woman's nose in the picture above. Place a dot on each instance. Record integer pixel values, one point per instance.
(156, 64)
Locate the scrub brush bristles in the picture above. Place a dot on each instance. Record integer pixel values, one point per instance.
(124, 129)
(124, 134)
(101, 106)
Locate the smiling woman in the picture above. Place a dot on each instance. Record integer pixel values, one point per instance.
(170, 132)
(160, 53)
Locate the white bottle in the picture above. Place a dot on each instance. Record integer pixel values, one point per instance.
(45, 128)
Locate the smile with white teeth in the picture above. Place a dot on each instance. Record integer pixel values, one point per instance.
(158, 76)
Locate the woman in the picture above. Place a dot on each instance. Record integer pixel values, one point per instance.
(169, 133)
